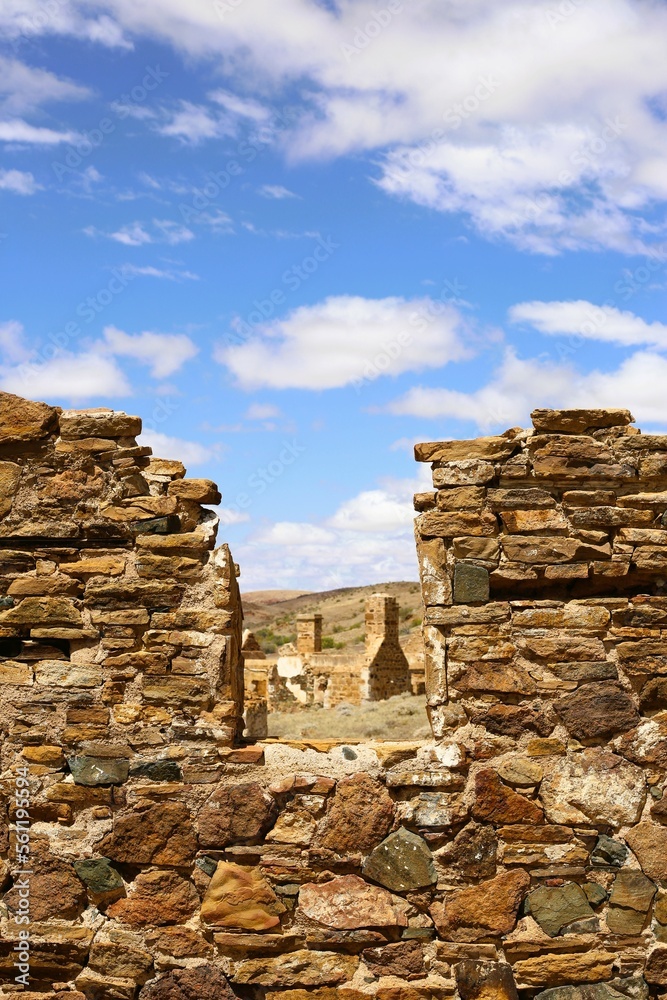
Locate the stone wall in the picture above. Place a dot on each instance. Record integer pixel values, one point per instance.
(543, 557)
(520, 849)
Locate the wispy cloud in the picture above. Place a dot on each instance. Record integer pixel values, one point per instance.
(18, 181)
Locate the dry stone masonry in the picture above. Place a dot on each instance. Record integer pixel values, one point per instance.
(543, 558)
(520, 852)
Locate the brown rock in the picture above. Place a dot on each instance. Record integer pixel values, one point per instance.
(55, 890)
(649, 843)
(22, 420)
(239, 897)
(488, 908)
(348, 903)
(179, 942)
(527, 521)
(361, 815)
(512, 720)
(504, 678)
(656, 967)
(454, 451)
(448, 524)
(203, 982)
(578, 421)
(564, 969)
(516, 499)
(44, 611)
(200, 490)
(597, 709)
(497, 803)
(298, 968)
(156, 898)
(477, 980)
(120, 961)
(235, 813)
(472, 853)
(10, 477)
(533, 549)
(161, 835)
(98, 422)
(404, 959)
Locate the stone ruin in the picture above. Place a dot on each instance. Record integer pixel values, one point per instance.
(305, 674)
(157, 855)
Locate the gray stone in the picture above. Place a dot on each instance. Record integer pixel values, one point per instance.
(608, 851)
(592, 991)
(471, 583)
(401, 862)
(169, 525)
(98, 876)
(158, 770)
(98, 770)
(594, 892)
(554, 907)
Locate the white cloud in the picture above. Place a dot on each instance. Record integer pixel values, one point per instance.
(369, 539)
(240, 107)
(136, 234)
(189, 452)
(16, 130)
(12, 344)
(276, 191)
(518, 386)
(512, 97)
(164, 353)
(164, 273)
(348, 339)
(193, 124)
(26, 19)
(591, 322)
(26, 88)
(262, 411)
(75, 377)
(18, 181)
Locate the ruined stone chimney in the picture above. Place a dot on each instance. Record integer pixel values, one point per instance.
(309, 633)
(381, 618)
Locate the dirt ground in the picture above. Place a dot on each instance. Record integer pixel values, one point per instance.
(402, 717)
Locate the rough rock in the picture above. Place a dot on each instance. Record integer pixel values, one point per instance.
(649, 843)
(490, 907)
(298, 968)
(22, 420)
(203, 982)
(596, 710)
(594, 786)
(561, 969)
(404, 959)
(477, 980)
(348, 902)
(156, 898)
(401, 862)
(360, 816)
(556, 907)
(235, 813)
(496, 803)
(162, 834)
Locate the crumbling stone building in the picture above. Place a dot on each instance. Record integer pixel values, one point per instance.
(521, 850)
(309, 675)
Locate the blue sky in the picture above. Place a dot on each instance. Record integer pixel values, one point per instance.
(298, 245)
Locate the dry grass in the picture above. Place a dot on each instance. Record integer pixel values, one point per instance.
(402, 717)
